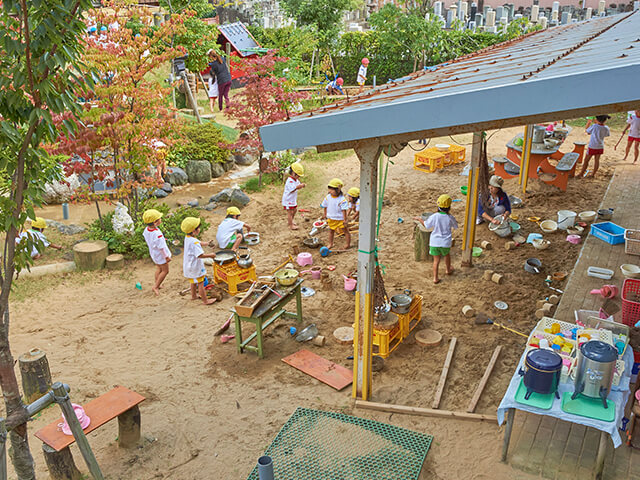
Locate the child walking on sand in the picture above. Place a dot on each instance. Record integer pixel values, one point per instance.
(633, 125)
(290, 194)
(158, 250)
(440, 241)
(192, 264)
(335, 211)
(598, 131)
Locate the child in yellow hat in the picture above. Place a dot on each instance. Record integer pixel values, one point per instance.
(158, 249)
(353, 195)
(36, 234)
(440, 240)
(290, 194)
(192, 264)
(336, 209)
(229, 234)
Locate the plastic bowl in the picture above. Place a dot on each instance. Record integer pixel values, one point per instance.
(630, 270)
(476, 251)
(548, 226)
(463, 189)
(442, 147)
(587, 216)
(514, 226)
(540, 243)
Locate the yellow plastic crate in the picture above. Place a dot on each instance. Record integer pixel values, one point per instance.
(431, 159)
(386, 340)
(410, 320)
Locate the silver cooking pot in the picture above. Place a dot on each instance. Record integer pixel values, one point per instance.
(224, 256)
(401, 303)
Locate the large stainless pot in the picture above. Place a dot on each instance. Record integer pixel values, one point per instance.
(401, 303)
(224, 256)
(538, 134)
(594, 374)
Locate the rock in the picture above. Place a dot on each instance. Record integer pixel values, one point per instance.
(210, 206)
(66, 229)
(242, 159)
(193, 203)
(176, 176)
(167, 187)
(239, 198)
(228, 165)
(198, 171)
(62, 191)
(217, 170)
(222, 196)
(187, 202)
(159, 193)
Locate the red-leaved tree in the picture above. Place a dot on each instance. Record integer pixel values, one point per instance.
(265, 99)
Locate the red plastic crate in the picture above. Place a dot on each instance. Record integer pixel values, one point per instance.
(630, 301)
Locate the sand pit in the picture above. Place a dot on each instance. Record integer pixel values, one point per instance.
(209, 409)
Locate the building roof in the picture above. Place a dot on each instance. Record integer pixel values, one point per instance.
(582, 68)
(240, 38)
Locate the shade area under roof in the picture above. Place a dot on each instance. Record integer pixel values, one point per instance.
(582, 68)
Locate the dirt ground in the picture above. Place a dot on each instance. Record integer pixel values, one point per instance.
(210, 412)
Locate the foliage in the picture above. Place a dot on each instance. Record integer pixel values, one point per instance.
(134, 244)
(197, 38)
(256, 184)
(39, 65)
(117, 141)
(202, 8)
(200, 142)
(324, 15)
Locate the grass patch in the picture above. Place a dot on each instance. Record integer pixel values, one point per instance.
(617, 121)
(230, 134)
(253, 184)
(314, 156)
(28, 288)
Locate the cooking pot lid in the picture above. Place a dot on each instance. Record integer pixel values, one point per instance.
(542, 359)
(599, 351)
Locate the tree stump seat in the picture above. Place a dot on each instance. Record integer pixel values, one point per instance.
(119, 402)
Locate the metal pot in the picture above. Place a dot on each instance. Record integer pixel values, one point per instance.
(541, 372)
(381, 313)
(538, 134)
(245, 260)
(401, 303)
(224, 256)
(605, 213)
(594, 374)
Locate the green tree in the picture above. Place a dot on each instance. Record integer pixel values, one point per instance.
(39, 61)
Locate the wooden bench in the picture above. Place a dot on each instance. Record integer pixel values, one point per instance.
(505, 168)
(119, 402)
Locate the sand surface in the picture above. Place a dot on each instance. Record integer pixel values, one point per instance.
(210, 412)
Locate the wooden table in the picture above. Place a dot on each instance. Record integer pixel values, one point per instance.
(539, 155)
(267, 312)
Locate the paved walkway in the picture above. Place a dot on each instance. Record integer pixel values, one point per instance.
(561, 450)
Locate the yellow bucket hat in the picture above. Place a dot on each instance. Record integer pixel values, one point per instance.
(189, 224)
(336, 183)
(444, 201)
(233, 211)
(354, 192)
(298, 169)
(151, 215)
(39, 222)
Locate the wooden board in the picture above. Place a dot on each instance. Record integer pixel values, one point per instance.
(426, 412)
(343, 335)
(485, 378)
(445, 372)
(100, 411)
(332, 374)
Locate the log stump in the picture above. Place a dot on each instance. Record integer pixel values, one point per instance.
(90, 254)
(129, 428)
(60, 464)
(421, 237)
(115, 261)
(35, 373)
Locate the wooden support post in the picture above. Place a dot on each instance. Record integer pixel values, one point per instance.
(526, 156)
(192, 100)
(368, 153)
(421, 238)
(115, 261)
(60, 464)
(35, 373)
(90, 254)
(602, 450)
(228, 51)
(445, 372)
(425, 412)
(483, 382)
(62, 398)
(511, 413)
(129, 428)
(471, 208)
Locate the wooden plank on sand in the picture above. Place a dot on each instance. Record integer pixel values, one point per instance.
(485, 378)
(425, 412)
(445, 372)
(328, 372)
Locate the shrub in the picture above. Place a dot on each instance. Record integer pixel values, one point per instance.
(135, 245)
(201, 142)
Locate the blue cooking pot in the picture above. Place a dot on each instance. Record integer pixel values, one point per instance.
(541, 372)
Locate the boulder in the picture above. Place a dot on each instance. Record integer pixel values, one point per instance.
(239, 198)
(222, 197)
(167, 187)
(198, 171)
(62, 191)
(210, 206)
(176, 176)
(242, 159)
(187, 202)
(193, 203)
(159, 193)
(228, 165)
(66, 229)
(217, 170)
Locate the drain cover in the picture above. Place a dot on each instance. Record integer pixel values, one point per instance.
(501, 305)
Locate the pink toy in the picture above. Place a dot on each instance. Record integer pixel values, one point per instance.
(349, 283)
(304, 258)
(575, 239)
(82, 418)
(316, 272)
(607, 291)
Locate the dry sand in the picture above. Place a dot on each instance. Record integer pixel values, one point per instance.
(210, 413)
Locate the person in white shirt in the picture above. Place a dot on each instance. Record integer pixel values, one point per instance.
(336, 209)
(36, 235)
(158, 249)
(440, 239)
(290, 194)
(598, 131)
(353, 195)
(633, 125)
(362, 74)
(192, 264)
(229, 234)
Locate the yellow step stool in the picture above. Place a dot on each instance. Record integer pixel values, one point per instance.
(233, 275)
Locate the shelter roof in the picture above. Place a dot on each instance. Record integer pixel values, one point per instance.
(240, 38)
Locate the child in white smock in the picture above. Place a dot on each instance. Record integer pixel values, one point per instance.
(336, 208)
(290, 194)
(158, 249)
(192, 264)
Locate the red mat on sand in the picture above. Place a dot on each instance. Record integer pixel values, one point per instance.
(332, 374)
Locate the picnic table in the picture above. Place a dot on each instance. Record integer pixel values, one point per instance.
(267, 312)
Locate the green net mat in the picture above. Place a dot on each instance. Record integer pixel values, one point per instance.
(317, 445)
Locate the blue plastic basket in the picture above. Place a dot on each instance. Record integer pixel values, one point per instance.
(608, 232)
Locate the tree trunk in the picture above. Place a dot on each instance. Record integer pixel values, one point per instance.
(421, 243)
(129, 428)
(36, 376)
(60, 464)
